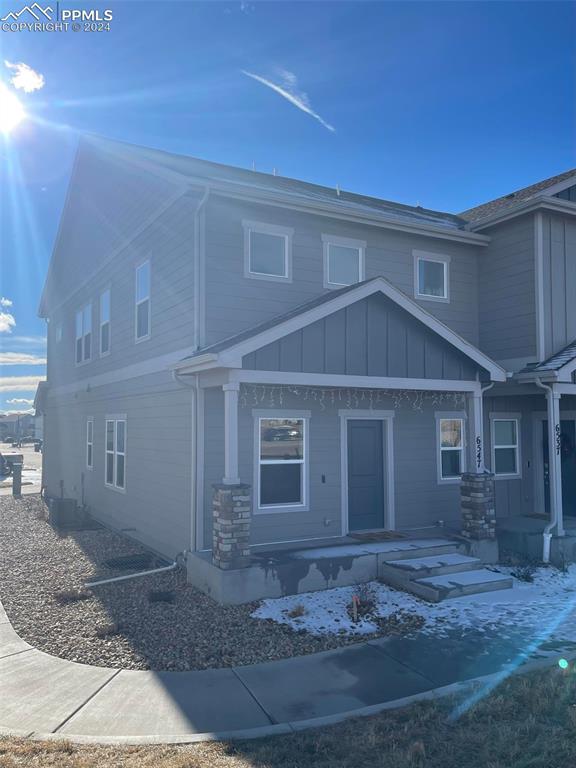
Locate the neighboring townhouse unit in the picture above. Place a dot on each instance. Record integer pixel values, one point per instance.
(243, 361)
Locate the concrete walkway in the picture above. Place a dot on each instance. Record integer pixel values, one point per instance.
(46, 697)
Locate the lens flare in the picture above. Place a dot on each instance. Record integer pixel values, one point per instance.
(563, 664)
(11, 110)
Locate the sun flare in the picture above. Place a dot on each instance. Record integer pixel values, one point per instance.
(11, 110)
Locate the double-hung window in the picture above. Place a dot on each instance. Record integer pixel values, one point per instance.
(84, 334)
(343, 261)
(143, 301)
(431, 276)
(267, 251)
(505, 445)
(451, 454)
(115, 459)
(90, 443)
(281, 462)
(105, 322)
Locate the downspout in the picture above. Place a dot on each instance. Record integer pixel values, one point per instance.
(197, 268)
(194, 445)
(553, 507)
(180, 558)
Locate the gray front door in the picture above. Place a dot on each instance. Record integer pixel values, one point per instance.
(365, 474)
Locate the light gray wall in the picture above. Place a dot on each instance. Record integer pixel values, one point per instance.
(559, 281)
(507, 309)
(420, 499)
(155, 508)
(372, 337)
(235, 302)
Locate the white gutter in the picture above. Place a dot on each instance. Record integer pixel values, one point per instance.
(197, 268)
(543, 202)
(193, 386)
(555, 522)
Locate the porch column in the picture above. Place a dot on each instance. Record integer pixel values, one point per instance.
(231, 434)
(476, 433)
(555, 457)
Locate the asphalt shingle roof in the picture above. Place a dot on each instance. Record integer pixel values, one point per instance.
(555, 362)
(513, 198)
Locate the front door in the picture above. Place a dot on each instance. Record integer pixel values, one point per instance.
(568, 463)
(365, 474)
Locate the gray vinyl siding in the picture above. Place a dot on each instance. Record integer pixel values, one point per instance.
(567, 194)
(372, 337)
(235, 302)
(421, 500)
(507, 291)
(156, 505)
(559, 282)
(167, 243)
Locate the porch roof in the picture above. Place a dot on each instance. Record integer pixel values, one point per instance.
(229, 352)
(557, 366)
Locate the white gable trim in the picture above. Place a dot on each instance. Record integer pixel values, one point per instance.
(232, 357)
(559, 187)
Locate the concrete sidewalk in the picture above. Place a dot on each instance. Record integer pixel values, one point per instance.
(47, 697)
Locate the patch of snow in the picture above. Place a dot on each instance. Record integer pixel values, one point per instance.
(547, 605)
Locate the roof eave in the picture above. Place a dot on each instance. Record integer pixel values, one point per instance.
(541, 202)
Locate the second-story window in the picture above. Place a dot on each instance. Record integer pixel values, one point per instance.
(105, 322)
(431, 276)
(143, 301)
(343, 261)
(84, 334)
(267, 251)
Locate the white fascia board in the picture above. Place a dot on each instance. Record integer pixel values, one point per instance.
(232, 355)
(341, 211)
(344, 380)
(202, 362)
(553, 204)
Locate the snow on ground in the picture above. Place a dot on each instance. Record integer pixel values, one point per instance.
(547, 603)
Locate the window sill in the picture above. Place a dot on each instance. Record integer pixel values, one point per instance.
(114, 488)
(438, 299)
(281, 510)
(271, 278)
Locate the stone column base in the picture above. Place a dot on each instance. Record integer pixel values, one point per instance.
(477, 504)
(232, 513)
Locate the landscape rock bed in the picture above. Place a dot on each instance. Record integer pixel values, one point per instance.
(42, 578)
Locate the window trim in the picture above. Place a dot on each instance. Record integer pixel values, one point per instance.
(345, 242)
(438, 258)
(517, 417)
(102, 324)
(90, 443)
(137, 302)
(276, 230)
(114, 419)
(441, 416)
(87, 305)
(271, 509)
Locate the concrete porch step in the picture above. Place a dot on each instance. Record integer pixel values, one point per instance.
(446, 586)
(398, 572)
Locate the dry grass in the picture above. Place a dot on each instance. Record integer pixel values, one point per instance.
(529, 722)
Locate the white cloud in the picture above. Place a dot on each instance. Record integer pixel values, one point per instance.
(7, 322)
(288, 89)
(16, 341)
(26, 79)
(19, 401)
(26, 412)
(19, 383)
(5, 302)
(20, 358)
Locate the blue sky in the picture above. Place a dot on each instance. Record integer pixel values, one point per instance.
(439, 104)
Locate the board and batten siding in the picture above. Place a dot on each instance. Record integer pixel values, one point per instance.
(372, 337)
(559, 235)
(156, 505)
(507, 290)
(235, 302)
(421, 501)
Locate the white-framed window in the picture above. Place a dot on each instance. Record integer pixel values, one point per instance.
(431, 276)
(84, 334)
(267, 251)
(505, 432)
(451, 444)
(281, 464)
(90, 443)
(115, 453)
(142, 315)
(105, 322)
(343, 261)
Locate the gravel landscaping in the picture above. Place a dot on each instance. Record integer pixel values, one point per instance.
(42, 589)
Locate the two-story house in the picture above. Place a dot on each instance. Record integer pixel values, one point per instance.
(228, 344)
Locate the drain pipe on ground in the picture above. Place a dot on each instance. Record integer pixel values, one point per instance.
(554, 511)
(179, 560)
